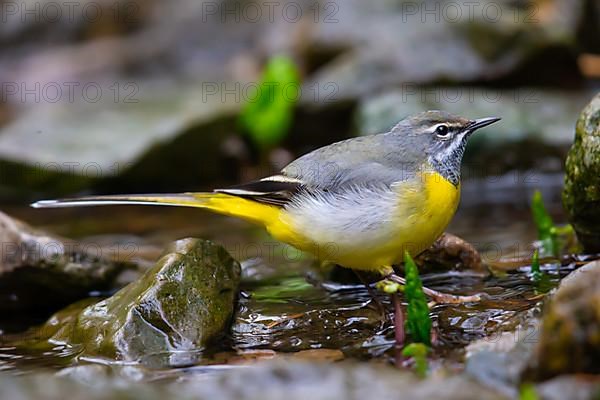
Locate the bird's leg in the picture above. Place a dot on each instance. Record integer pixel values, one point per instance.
(399, 332)
(439, 297)
(378, 304)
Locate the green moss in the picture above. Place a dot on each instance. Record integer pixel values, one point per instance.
(569, 332)
(581, 195)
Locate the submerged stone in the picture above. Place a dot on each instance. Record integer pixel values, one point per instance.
(167, 317)
(581, 195)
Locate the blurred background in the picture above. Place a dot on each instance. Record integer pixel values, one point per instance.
(136, 96)
(108, 96)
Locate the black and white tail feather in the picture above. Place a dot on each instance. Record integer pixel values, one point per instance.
(277, 190)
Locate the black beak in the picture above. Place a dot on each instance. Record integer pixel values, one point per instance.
(482, 122)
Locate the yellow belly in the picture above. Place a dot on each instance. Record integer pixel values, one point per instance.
(424, 210)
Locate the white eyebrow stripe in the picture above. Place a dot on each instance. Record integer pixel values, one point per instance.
(434, 127)
(451, 126)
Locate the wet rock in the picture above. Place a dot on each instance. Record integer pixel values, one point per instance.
(450, 251)
(581, 195)
(44, 272)
(265, 381)
(573, 387)
(167, 317)
(49, 387)
(569, 341)
(301, 380)
(499, 359)
(498, 368)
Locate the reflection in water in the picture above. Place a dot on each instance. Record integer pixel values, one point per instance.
(342, 316)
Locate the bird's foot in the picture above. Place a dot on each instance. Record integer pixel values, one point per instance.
(377, 303)
(440, 297)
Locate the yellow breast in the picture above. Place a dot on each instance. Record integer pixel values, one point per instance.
(423, 209)
(440, 202)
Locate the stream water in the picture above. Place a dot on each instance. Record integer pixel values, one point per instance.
(288, 305)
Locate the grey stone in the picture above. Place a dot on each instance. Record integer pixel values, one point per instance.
(581, 195)
(165, 318)
(568, 340)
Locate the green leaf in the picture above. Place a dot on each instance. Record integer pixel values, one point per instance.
(542, 281)
(528, 392)
(547, 231)
(418, 351)
(268, 113)
(536, 272)
(418, 322)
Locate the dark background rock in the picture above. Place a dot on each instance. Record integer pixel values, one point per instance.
(532, 117)
(43, 272)
(581, 195)
(168, 53)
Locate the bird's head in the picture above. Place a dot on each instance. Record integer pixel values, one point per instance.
(442, 138)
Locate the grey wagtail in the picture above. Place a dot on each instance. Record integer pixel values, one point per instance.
(359, 203)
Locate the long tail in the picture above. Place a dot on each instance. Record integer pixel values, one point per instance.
(221, 203)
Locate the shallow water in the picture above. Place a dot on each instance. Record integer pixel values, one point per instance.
(288, 314)
(288, 304)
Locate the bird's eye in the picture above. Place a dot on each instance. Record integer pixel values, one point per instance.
(442, 131)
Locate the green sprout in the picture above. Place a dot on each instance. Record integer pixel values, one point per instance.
(268, 114)
(536, 273)
(540, 278)
(418, 322)
(418, 351)
(547, 231)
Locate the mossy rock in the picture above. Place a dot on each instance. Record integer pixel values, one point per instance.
(570, 333)
(581, 195)
(167, 317)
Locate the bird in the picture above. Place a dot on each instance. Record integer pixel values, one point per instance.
(360, 203)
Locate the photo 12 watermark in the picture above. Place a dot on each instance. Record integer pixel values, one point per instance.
(69, 12)
(411, 91)
(68, 92)
(253, 92)
(468, 11)
(270, 11)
